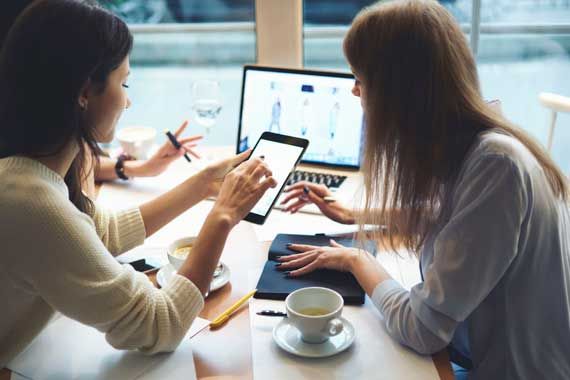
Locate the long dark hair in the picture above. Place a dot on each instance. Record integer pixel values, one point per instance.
(424, 110)
(9, 11)
(53, 49)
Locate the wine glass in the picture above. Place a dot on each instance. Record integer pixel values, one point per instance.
(206, 103)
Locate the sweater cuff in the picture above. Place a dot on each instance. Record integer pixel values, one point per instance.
(187, 298)
(383, 291)
(131, 228)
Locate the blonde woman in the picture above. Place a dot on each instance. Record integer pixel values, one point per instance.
(479, 201)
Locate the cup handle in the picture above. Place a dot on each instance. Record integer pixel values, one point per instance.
(334, 327)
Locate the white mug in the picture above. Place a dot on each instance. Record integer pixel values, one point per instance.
(177, 260)
(302, 304)
(136, 141)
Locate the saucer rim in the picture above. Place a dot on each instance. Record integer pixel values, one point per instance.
(343, 348)
(226, 274)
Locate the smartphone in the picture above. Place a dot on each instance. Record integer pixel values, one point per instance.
(146, 265)
(281, 154)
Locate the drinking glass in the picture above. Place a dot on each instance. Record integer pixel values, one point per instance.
(206, 103)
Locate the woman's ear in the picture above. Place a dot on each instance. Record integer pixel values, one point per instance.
(84, 95)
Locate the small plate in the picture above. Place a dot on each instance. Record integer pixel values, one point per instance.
(166, 272)
(289, 338)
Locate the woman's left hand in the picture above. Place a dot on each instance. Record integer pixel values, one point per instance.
(167, 153)
(310, 258)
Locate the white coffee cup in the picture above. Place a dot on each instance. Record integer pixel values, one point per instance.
(315, 312)
(178, 259)
(136, 141)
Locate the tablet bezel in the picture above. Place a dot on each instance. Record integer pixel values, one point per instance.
(284, 139)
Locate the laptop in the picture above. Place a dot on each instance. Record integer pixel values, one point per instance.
(316, 105)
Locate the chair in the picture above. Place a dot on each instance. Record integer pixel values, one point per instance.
(556, 103)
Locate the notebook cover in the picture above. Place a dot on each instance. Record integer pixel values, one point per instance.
(274, 285)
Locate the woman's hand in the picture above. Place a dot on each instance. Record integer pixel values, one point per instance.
(215, 173)
(239, 192)
(242, 188)
(310, 258)
(303, 193)
(167, 153)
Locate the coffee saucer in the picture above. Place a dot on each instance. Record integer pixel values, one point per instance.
(165, 274)
(289, 338)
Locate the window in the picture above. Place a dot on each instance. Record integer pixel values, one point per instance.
(178, 42)
(524, 49)
(326, 22)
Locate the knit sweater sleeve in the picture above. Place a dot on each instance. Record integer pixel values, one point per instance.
(73, 272)
(120, 231)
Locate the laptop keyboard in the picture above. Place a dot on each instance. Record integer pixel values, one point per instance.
(330, 180)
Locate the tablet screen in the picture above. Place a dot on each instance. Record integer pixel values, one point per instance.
(281, 158)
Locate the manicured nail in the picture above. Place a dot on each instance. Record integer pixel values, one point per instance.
(306, 190)
(278, 257)
(278, 265)
(288, 245)
(287, 274)
(262, 157)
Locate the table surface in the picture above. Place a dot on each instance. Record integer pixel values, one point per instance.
(234, 361)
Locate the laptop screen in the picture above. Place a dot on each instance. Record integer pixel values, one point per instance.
(318, 106)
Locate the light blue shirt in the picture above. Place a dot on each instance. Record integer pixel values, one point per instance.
(496, 271)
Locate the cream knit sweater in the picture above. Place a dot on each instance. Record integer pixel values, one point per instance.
(55, 258)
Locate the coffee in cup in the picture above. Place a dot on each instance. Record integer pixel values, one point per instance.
(179, 250)
(315, 312)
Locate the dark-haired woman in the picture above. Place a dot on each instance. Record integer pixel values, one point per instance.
(479, 201)
(64, 69)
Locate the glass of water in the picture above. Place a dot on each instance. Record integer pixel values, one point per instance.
(206, 103)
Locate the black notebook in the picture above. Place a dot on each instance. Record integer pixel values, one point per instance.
(274, 285)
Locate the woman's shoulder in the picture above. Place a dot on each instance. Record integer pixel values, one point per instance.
(499, 147)
(22, 181)
(26, 195)
(497, 143)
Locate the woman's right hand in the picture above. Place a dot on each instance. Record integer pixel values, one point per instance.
(303, 193)
(213, 176)
(242, 188)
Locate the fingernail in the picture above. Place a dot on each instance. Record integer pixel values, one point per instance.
(262, 157)
(277, 265)
(289, 244)
(306, 190)
(277, 257)
(287, 274)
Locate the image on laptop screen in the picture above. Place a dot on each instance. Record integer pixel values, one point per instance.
(318, 106)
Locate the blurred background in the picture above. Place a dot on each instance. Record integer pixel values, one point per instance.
(523, 49)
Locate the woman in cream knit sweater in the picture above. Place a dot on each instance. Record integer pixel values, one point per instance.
(64, 69)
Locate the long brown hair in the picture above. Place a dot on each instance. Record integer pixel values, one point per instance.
(53, 48)
(423, 110)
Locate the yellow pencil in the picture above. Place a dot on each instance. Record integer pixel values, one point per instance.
(223, 318)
